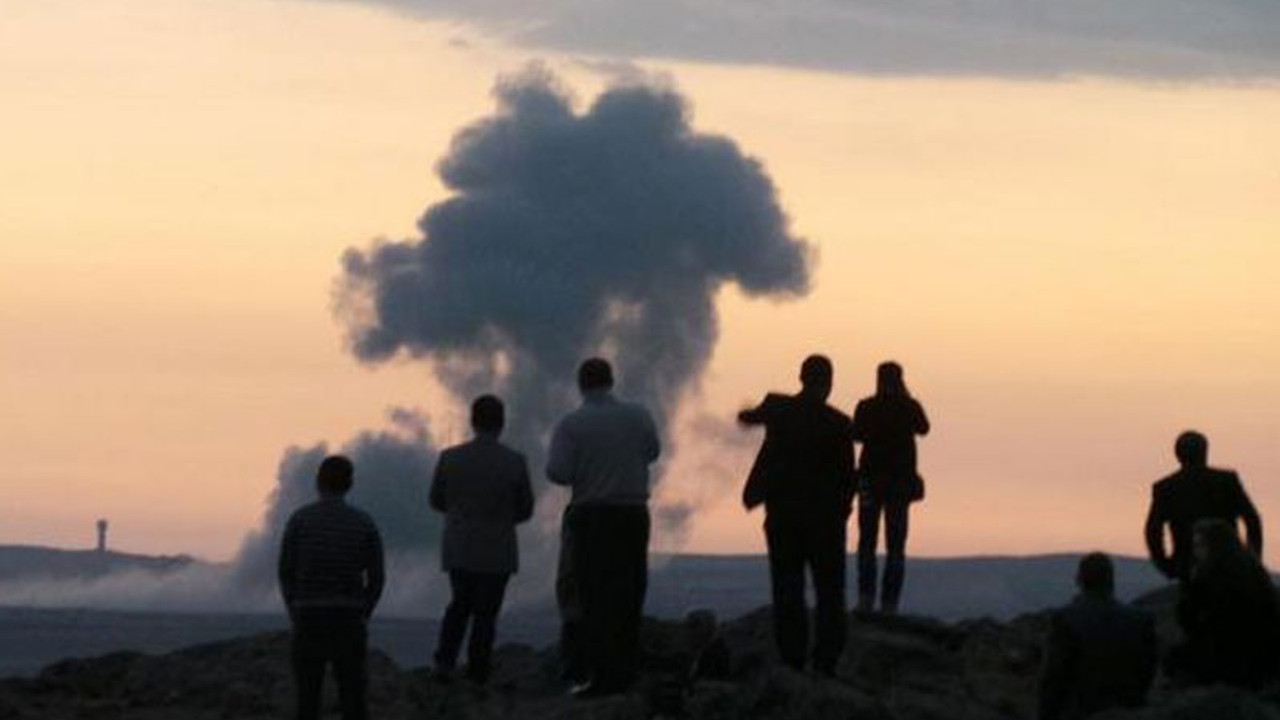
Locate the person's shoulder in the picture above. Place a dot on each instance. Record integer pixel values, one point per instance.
(634, 409)
(1223, 475)
(835, 416)
(1169, 483)
(360, 515)
(301, 514)
(509, 453)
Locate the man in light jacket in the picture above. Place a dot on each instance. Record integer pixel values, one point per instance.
(482, 487)
(602, 451)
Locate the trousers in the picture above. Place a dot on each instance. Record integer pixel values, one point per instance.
(477, 600)
(896, 513)
(324, 637)
(610, 561)
(795, 545)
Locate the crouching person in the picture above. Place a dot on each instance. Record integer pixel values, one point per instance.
(331, 576)
(483, 489)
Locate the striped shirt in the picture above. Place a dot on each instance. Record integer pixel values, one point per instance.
(331, 556)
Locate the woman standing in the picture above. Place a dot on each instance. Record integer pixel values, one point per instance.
(886, 424)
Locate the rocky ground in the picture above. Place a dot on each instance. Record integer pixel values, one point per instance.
(895, 669)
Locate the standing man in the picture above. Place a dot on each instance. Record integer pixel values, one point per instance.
(602, 452)
(804, 476)
(1193, 493)
(886, 424)
(482, 487)
(1101, 653)
(331, 577)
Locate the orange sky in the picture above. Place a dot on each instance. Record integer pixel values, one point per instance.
(1071, 271)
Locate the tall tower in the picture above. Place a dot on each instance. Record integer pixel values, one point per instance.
(102, 536)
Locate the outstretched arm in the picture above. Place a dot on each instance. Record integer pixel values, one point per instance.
(760, 414)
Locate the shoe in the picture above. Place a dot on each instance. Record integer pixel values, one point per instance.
(579, 688)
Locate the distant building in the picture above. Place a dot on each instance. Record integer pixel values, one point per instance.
(102, 536)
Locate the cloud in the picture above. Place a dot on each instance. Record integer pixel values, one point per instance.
(1156, 39)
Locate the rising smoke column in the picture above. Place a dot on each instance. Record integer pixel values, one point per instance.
(571, 234)
(566, 235)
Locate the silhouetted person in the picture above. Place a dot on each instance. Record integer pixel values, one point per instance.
(482, 487)
(886, 424)
(1228, 612)
(1101, 653)
(602, 451)
(331, 577)
(1193, 493)
(804, 476)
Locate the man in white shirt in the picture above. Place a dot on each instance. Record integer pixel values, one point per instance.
(602, 452)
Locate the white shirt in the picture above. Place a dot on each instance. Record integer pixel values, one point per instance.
(603, 450)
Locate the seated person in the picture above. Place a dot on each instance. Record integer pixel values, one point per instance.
(1101, 653)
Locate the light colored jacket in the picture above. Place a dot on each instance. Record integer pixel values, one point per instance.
(603, 450)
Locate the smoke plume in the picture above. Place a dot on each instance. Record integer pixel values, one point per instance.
(567, 234)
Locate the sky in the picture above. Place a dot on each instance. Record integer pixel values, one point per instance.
(1063, 222)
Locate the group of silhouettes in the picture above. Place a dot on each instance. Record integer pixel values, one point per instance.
(1101, 653)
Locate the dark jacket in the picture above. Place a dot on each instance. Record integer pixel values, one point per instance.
(805, 468)
(887, 426)
(331, 557)
(1101, 654)
(1190, 495)
(482, 487)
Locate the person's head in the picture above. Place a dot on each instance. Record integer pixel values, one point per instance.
(1192, 449)
(1096, 575)
(595, 374)
(334, 477)
(487, 415)
(889, 379)
(815, 376)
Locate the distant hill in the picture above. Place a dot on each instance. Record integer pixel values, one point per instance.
(33, 562)
(1000, 587)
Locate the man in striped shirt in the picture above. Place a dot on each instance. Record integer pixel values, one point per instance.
(331, 576)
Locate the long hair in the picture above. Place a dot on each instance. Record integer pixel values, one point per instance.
(889, 381)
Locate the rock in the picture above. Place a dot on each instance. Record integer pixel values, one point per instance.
(895, 668)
